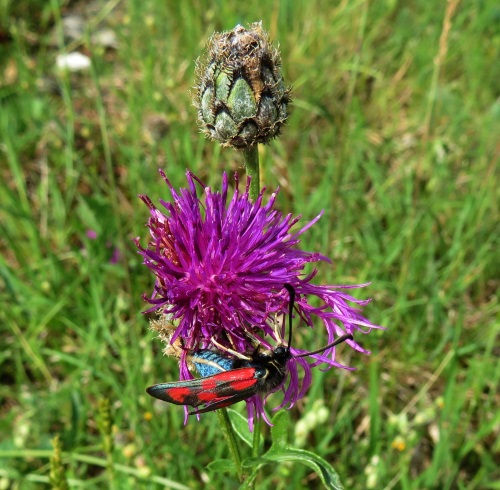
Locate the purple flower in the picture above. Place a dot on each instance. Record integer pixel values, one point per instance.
(221, 264)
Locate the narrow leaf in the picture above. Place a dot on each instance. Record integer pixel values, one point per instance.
(322, 468)
(240, 426)
(222, 466)
(279, 431)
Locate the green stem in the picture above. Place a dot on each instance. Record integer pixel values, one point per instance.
(110, 470)
(227, 429)
(255, 444)
(256, 436)
(251, 157)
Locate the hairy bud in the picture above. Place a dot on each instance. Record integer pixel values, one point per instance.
(241, 96)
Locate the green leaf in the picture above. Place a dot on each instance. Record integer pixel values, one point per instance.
(279, 431)
(257, 462)
(222, 466)
(322, 468)
(240, 426)
(279, 452)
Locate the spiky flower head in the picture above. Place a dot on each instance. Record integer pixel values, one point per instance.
(221, 264)
(240, 95)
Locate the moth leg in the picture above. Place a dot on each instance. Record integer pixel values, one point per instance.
(255, 340)
(239, 355)
(279, 329)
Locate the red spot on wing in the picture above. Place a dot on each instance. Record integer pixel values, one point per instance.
(226, 384)
(209, 384)
(236, 375)
(180, 393)
(206, 397)
(242, 384)
(238, 379)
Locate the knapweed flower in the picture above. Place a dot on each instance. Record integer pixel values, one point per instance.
(221, 264)
(240, 95)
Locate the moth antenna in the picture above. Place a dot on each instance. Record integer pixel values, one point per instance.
(291, 304)
(345, 337)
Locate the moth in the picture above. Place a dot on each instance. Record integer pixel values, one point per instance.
(228, 380)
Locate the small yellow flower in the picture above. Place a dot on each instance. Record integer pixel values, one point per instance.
(399, 444)
(129, 450)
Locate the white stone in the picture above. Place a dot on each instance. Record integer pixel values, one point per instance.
(73, 61)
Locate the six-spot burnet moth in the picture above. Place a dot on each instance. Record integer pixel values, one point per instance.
(228, 380)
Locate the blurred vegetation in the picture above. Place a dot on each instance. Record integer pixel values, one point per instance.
(394, 133)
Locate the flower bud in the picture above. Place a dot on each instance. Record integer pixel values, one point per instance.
(241, 96)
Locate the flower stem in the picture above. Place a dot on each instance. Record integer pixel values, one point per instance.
(251, 157)
(256, 443)
(256, 436)
(227, 429)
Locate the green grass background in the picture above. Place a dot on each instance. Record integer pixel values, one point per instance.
(394, 133)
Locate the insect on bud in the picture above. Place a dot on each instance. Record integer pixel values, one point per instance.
(241, 96)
